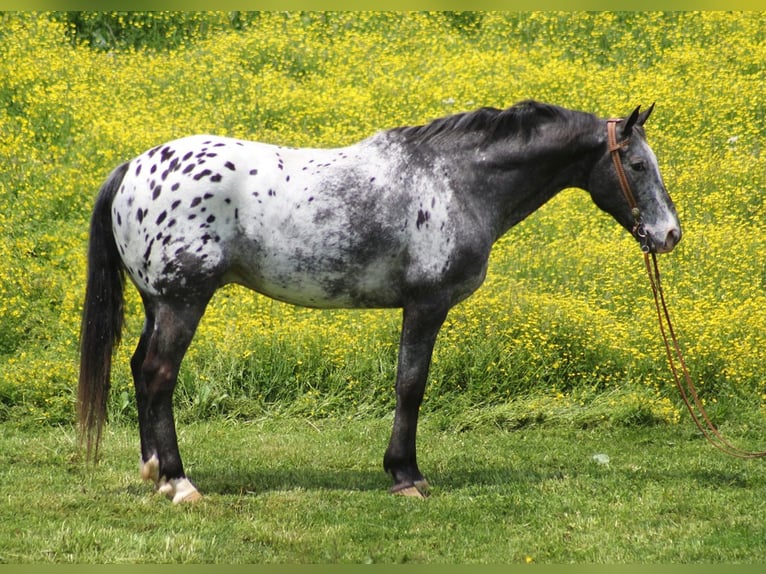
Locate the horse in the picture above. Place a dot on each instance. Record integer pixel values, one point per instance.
(405, 218)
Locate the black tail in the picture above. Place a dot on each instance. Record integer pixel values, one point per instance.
(102, 315)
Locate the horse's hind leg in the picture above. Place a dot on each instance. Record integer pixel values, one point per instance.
(149, 462)
(167, 334)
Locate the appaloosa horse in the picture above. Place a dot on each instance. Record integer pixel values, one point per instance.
(403, 219)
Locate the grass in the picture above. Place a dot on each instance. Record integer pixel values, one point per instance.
(295, 490)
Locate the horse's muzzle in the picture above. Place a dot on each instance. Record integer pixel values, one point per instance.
(663, 242)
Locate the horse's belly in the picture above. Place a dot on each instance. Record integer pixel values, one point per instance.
(322, 281)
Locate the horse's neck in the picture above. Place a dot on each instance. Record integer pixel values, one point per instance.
(512, 181)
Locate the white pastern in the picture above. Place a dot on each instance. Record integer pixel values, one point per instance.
(165, 487)
(179, 490)
(150, 469)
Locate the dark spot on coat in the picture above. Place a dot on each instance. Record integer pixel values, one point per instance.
(138, 169)
(140, 215)
(171, 223)
(156, 192)
(161, 217)
(188, 168)
(196, 201)
(153, 168)
(216, 177)
(253, 172)
(175, 186)
(211, 219)
(147, 253)
(229, 165)
(175, 204)
(187, 155)
(166, 154)
(203, 173)
(207, 196)
(423, 217)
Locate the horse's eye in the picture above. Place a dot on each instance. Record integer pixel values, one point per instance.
(638, 165)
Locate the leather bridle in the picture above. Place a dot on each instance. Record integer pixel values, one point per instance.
(638, 230)
(685, 386)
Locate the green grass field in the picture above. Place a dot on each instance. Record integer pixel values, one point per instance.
(292, 490)
(284, 412)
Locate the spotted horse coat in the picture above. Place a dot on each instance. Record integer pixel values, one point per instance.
(207, 210)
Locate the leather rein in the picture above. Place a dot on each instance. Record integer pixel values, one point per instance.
(683, 383)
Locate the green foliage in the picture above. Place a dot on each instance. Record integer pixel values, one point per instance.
(154, 30)
(565, 319)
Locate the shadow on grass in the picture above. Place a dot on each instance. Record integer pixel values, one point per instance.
(244, 481)
(237, 481)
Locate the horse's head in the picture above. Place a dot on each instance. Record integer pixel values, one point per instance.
(638, 200)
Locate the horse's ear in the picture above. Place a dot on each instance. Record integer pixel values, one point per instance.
(632, 120)
(643, 116)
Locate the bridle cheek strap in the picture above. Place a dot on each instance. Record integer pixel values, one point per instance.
(614, 151)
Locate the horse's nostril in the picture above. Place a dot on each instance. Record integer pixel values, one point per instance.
(673, 237)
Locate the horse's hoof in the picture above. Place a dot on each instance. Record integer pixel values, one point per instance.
(418, 489)
(184, 491)
(189, 497)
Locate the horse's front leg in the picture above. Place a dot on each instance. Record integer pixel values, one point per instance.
(421, 324)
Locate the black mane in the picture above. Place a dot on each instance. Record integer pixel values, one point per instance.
(521, 119)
